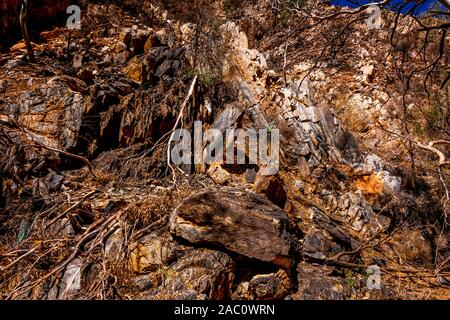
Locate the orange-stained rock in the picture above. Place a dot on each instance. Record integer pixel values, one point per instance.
(134, 69)
(272, 187)
(218, 174)
(370, 185)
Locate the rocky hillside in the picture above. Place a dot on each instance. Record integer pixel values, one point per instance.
(91, 208)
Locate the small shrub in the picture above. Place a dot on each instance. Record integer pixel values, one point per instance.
(204, 78)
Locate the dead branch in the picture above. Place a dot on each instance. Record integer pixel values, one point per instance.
(23, 19)
(367, 244)
(61, 267)
(428, 147)
(37, 144)
(180, 116)
(3, 269)
(71, 155)
(92, 231)
(350, 265)
(76, 205)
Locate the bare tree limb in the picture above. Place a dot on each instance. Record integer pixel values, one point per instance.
(428, 147)
(24, 4)
(38, 144)
(180, 116)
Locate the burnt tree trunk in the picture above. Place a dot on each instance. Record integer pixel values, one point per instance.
(23, 18)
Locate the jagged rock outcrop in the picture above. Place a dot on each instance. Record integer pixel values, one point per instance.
(141, 230)
(319, 243)
(52, 113)
(310, 133)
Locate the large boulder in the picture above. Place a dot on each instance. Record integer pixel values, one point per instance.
(236, 220)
